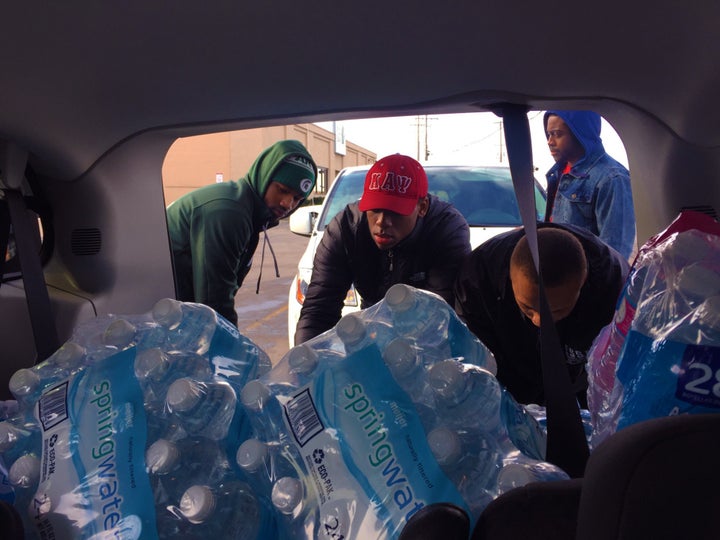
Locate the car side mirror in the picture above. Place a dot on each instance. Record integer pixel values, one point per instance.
(302, 221)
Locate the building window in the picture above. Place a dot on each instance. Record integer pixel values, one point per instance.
(321, 185)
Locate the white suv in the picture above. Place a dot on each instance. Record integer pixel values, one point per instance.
(484, 195)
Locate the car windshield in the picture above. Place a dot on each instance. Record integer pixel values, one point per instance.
(484, 195)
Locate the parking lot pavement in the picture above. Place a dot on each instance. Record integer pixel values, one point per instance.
(263, 317)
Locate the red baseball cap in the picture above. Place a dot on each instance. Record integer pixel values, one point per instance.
(394, 183)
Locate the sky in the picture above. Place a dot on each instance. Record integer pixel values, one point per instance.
(458, 138)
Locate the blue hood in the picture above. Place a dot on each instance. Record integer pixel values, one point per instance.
(585, 125)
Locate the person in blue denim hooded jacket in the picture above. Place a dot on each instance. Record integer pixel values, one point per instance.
(587, 187)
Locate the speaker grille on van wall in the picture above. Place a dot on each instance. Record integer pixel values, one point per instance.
(85, 241)
(704, 209)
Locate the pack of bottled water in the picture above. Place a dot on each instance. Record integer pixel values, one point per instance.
(170, 424)
(661, 354)
(394, 408)
(131, 428)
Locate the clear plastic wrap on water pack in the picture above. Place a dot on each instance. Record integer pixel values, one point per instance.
(130, 430)
(661, 355)
(395, 408)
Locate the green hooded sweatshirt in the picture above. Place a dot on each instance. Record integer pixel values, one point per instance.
(215, 229)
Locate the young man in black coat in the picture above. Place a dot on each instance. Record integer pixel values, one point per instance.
(496, 294)
(396, 233)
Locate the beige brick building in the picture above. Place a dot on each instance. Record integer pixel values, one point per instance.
(193, 162)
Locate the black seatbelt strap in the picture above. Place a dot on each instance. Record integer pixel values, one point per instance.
(13, 164)
(4, 235)
(566, 443)
(27, 243)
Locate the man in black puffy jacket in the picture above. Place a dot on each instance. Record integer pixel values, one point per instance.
(496, 294)
(396, 233)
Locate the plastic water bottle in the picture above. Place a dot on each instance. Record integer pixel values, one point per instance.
(262, 407)
(257, 396)
(702, 327)
(26, 387)
(356, 333)
(104, 337)
(302, 361)
(287, 495)
(69, 358)
(156, 370)
(263, 463)
(229, 511)
(173, 466)
(152, 370)
(190, 326)
(465, 346)
(236, 359)
(523, 429)
(264, 364)
(696, 282)
(299, 367)
(466, 396)
(24, 475)
(60, 365)
(8, 409)
(404, 360)
(687, 247)
(18, 436)
(422, 317)
(470, 460)
(539, 413)
(520, 473)
(668, 303)
(203, 408)
(171, 524)
(120, 334)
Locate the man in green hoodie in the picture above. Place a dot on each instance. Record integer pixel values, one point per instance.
(215, 229)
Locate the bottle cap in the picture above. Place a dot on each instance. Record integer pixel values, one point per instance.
(302, 360)
(350, 329)
(151, 364)
(168, 313)
(197, 504)
(25, 472)
(287, 494)
(69, 356)
(162, 456)
(119, 333)
(400, 357)
(447, 379)
(24, 382)
(255, 395)
(445, 445)
(183, 395)
(400, 297)
(251, 455)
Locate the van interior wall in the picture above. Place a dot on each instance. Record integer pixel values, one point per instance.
(104, 222)
(668, 173)
(16, 333)
(125, 204)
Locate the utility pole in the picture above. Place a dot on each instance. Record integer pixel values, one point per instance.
(502, 139)
(423, 121)
(427, 150)
(417, 118)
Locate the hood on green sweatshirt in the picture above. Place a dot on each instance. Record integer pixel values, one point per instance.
(276, 159)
